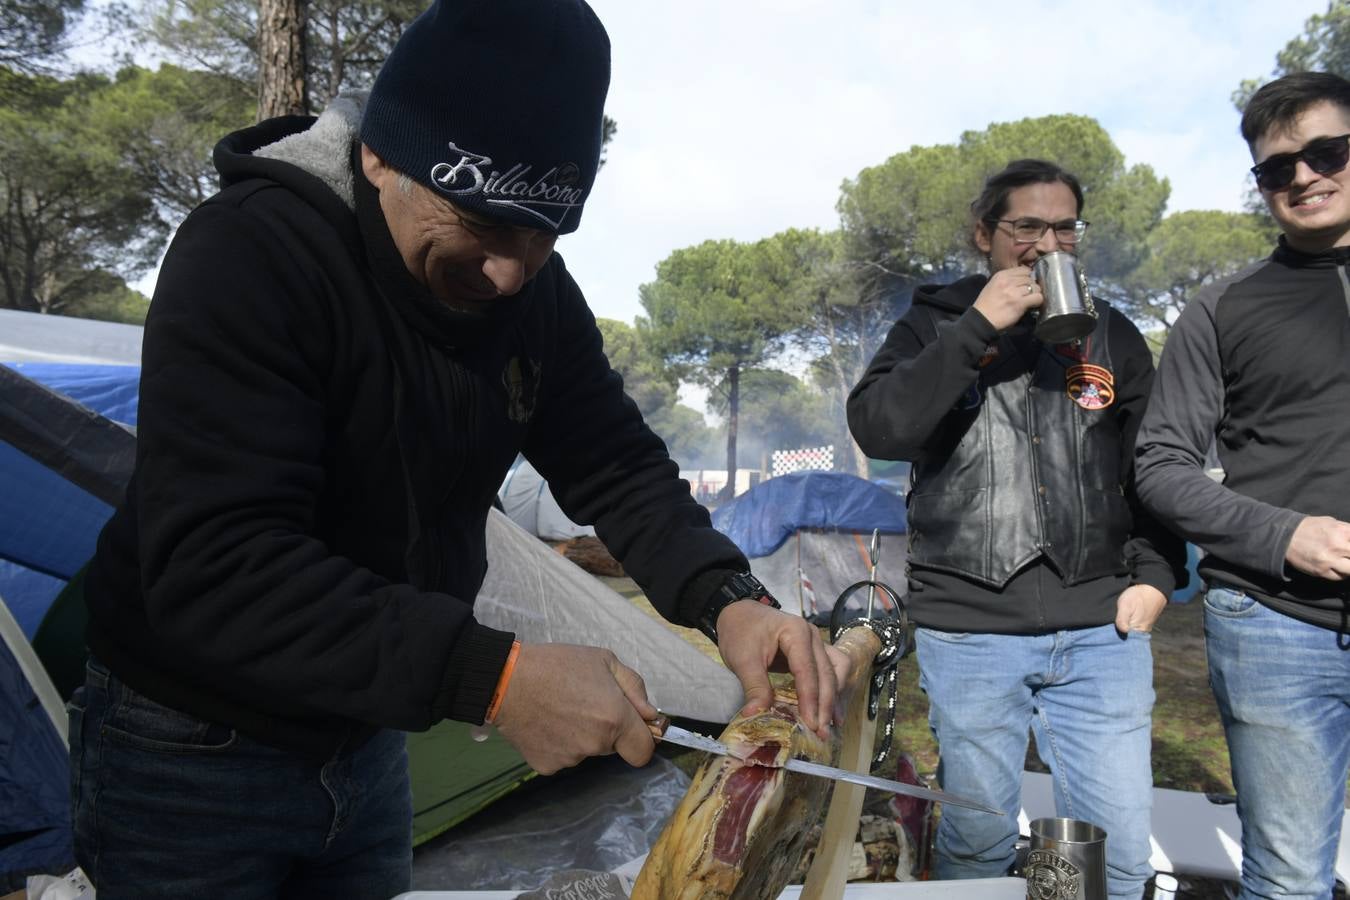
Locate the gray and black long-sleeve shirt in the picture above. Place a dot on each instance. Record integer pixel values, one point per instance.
(1259, 366)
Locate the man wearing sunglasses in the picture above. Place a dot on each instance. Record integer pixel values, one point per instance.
(1259, 366)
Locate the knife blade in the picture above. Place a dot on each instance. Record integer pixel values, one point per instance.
(676, 735)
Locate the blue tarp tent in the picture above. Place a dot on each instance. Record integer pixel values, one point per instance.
(760, 520)
(61, 467)
(50, 522)
(807, 535)
(34, 781)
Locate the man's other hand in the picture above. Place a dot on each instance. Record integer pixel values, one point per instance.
(755, 639)
(1321, 546)
(1138, 607)
(565, 703)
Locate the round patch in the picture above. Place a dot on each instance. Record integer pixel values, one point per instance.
(1091, 387)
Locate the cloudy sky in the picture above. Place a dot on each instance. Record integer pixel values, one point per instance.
(740, 118)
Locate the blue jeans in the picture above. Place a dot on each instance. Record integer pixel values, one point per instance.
(1283, 689)
(1087, 696)
(171, 806)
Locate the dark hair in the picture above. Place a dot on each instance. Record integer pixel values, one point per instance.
(1278, 104)
(992, 203)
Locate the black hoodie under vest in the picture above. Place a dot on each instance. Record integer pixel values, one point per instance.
(1022, 512)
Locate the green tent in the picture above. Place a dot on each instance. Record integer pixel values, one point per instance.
(454, 776)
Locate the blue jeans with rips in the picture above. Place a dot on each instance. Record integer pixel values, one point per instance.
(1283, 690)
(1087, 696)
(170, 806)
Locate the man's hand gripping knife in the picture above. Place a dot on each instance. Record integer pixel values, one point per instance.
(558, 704)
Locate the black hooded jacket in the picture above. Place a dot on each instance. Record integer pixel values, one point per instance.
(319, 444)
(1022, 510)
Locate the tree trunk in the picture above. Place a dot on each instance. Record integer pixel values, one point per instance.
(733, 413)
(859, 459)
(282, 90)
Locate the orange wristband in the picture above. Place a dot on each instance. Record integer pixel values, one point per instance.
(500, 693)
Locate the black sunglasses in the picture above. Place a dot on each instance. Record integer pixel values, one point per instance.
(1325, 156)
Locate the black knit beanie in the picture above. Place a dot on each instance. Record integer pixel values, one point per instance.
(497, 106)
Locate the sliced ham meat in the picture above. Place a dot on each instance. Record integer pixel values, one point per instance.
(741, 829)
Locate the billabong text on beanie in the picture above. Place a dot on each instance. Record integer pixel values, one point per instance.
(497, 106)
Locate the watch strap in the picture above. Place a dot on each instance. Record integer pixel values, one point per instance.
(738, 586)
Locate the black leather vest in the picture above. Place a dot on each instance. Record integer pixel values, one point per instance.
(1028, 463)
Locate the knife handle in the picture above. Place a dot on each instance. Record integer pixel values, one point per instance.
(658, 725)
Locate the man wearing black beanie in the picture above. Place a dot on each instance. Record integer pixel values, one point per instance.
(347, 348)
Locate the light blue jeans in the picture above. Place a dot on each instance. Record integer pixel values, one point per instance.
(1087, 696)
(1283, 689)
(169, 806)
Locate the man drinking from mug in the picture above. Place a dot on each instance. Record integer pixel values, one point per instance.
(1034, 577)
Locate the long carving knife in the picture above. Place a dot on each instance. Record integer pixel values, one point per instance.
(663, 730)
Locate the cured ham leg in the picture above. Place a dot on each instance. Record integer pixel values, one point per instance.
(741, 828)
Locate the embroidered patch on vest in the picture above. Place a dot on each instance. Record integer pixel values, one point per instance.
(1091, 387)
(990, 354)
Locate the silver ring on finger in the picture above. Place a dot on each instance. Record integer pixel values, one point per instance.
(1030, 287)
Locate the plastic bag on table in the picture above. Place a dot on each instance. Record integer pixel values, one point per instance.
(595, 817)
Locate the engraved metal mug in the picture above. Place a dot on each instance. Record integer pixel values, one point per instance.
(1067, 861)
(1068, 313)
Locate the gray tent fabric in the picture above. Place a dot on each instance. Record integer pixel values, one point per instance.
(527, 500)
(32, 337)
(535, 592)
(829, 562)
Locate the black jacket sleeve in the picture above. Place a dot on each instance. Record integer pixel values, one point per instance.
(912, 383)
(231, 462)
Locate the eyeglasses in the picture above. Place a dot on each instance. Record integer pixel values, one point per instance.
(1029, 231)
(1325, 156)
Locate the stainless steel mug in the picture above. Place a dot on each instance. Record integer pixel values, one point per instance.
(1067, 861)
(1068, 313)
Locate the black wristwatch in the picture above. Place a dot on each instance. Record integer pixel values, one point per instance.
(740, 586)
